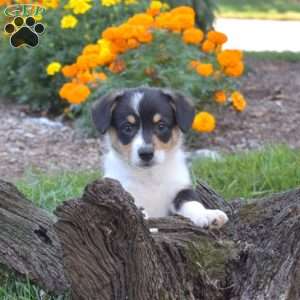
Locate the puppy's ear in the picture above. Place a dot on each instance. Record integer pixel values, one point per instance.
(184, 109)
(102, 110)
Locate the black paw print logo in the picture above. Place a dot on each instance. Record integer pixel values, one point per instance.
(24, 32)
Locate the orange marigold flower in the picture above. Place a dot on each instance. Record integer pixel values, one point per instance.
(69, 70)
(235, 71)
(117, 66)
(145, 37)
(85, 77)
(183, 10)
(204, 122)
(177, 19)
(91, 49)
(208, 46)
(132, 44)
(216, 37)
(220, 97)
(228, 58)
(110, 33)
(74, 93)
(141, 19)
(193, 36)
(205, 69)
(238, 101)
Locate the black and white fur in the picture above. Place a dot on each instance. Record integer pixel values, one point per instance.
(143, 129)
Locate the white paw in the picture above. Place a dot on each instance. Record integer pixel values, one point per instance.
(216, 218)
(202, 217)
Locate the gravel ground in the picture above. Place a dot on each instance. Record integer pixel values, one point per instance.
(273, 116)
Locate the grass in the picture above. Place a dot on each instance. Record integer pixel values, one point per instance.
(247, 175)
(274, 56)
(252, 174)
(256, 9)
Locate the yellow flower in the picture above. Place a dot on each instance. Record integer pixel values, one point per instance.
(238, 101)
(193, 36)
(68, 21)
(220, 97)
(79, 6)
(205, 69)
(204, 122)
(53, 68)
(110, 2)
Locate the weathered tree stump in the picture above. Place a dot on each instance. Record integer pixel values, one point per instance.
(111, 252)
(28, 243)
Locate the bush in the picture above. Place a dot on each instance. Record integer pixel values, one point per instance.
(23, 77)
(162, 49)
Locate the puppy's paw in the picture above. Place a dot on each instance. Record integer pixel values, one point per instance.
(202, 217)
(216, 218)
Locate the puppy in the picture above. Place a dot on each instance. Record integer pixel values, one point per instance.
(143, 129)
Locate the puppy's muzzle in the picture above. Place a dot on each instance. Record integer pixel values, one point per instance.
(146, 153)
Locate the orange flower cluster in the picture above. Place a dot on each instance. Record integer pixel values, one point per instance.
(231, 62)
(176, 20)
(138, 30)
(119, 39)
(214, 41)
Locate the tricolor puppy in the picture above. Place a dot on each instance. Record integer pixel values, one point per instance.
(143, 129)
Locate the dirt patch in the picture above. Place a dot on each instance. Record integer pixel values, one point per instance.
(272, 116)
(34, 143)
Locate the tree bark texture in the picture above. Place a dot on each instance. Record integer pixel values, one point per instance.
(111, 252)
(28, 243)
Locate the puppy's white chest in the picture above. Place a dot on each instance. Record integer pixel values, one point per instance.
(155, 196)
(153, 188)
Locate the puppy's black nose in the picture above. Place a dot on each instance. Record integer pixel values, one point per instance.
(146, 153)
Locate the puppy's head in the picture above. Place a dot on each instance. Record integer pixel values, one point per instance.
(143, 124)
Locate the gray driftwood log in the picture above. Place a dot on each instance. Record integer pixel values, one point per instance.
(111, 252)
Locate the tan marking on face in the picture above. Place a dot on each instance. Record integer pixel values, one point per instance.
(156, 118)
(124, 150)
(131, 119)
(174, 141)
